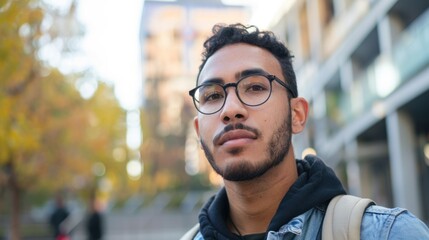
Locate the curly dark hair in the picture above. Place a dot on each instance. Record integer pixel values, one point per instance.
(224, 35)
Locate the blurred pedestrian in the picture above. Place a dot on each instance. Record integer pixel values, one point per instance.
(58, 218)
(94, 225)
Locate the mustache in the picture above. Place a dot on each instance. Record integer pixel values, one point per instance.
(231, 127)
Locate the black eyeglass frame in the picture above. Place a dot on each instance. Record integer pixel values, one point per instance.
(270, 78)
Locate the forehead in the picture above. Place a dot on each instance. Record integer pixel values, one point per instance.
(235, 58)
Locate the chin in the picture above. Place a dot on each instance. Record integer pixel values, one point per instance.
(243, 170)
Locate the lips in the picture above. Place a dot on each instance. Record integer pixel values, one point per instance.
(235, 135)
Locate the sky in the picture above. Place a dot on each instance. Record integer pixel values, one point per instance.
(111, 45)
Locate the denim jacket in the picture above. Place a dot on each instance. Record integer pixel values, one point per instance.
(378, 223)
(301, 211)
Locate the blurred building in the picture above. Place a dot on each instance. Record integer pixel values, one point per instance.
(172, 36)
(364, 67)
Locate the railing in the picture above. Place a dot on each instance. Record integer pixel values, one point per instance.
(387, 73)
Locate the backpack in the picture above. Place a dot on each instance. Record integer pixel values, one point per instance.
(342, 219)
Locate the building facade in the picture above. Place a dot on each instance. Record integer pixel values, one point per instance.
(364, 67)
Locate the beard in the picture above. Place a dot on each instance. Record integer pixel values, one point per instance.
(277, 148)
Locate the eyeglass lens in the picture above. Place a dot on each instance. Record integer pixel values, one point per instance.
(252, 90)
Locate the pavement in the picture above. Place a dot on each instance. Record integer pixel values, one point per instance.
(145, 225)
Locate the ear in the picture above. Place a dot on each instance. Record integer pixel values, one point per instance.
(196, 126)
(197, 130)
(299, 110)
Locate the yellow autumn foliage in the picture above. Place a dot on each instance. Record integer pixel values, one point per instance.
(50, 136)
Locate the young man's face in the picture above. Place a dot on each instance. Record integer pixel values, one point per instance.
(243, 142)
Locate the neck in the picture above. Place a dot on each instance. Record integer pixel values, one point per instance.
(254, 203)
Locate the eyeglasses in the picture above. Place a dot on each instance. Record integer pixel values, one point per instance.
(252, 90)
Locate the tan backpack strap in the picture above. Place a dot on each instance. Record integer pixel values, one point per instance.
(344, 217)
(189, 235)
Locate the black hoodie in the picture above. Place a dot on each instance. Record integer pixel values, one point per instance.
(316, 186)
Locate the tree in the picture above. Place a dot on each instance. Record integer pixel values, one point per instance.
(49, 135)
(18, 69)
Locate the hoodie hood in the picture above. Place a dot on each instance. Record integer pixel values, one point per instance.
(316, 185)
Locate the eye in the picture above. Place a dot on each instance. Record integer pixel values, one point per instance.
(210, 94)
(254, 84)
(213, 96)
(255, 87)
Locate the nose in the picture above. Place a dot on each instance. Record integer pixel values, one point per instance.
(233, 110)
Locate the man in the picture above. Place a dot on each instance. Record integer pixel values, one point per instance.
(248, 109)
(94, 224)
(58, 218)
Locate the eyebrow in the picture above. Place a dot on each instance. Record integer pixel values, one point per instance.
(239, 75)
(249, 72)
(213, 80)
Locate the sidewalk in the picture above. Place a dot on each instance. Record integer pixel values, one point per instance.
(144, 225)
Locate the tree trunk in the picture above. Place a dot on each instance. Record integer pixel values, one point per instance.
(16, 200)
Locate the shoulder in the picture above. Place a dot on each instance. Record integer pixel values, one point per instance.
(392, 223)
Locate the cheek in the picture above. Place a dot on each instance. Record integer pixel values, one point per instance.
(206, 130)
(274, 118)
